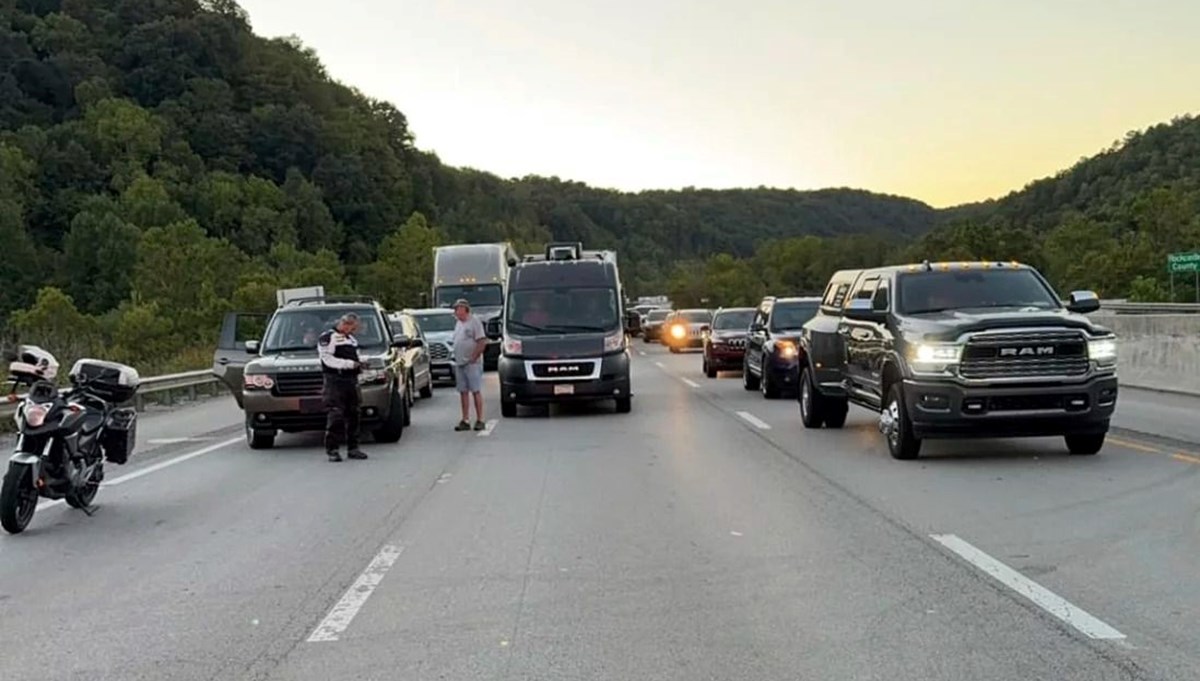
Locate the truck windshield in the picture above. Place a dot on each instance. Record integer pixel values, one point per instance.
(297, 329)
(929, 292)
(563, 310)
(436, 323)
(694, 317)
(787, 316)
(489, 295)
(734, 320)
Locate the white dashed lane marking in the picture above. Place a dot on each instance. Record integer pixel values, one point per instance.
(754, 420)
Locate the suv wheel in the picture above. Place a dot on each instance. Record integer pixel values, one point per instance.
(770, 390)
(709, 371)
(749, 380)
(427, 391)
(811, 403)
(1085, 445)
(258, 439)
(393, 425)
(896, 426)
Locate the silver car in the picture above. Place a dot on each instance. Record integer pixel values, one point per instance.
(438, 326)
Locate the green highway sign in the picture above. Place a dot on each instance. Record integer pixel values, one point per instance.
(1183, 262)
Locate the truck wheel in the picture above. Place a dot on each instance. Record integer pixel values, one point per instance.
(393, 426)
(508, 409)
(749, 380)
(812, 412)
(1085, 445)
(835, 412)
(896, 426)
(624, 405)
(427, 391)
(18, 498)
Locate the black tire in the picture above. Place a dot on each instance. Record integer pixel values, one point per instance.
(87, 495)
(427, 391)
(812, 403)
(749, 380)
(770, 389)
(624, 405)
(409, 396)
(709, 371)
(675, 350)
(393, 426)
(18, 498)
(836, 410)
(508, 409)
(898, 433)
(1085, 445)
(646, 340)
(258, 439)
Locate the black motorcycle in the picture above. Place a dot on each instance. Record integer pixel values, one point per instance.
(65, 437)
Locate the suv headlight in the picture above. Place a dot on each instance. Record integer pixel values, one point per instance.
(1103, 351)
(785, 349)
(614, 342)
(935, 358)
(257, 382)
(372, 376)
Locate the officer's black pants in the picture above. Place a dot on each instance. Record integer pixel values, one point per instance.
(342, 403)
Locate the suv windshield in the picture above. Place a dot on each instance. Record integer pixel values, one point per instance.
(297, 329)
(657, 315)
(563, 310)
(490, 295)
(927, 292)
(733, 320)
(792, 315)
(435, 323)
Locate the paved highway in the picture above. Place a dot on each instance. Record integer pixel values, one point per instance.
(705, 536)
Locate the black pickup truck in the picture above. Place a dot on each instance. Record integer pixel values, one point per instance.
(959, 350)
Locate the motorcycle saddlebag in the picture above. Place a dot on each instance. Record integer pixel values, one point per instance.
(119, 434)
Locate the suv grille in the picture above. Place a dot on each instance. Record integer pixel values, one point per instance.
(1025, 354)
(439, 352)
(299, 383)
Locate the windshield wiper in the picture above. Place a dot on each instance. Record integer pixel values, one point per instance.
(564, 328)
(529, 327)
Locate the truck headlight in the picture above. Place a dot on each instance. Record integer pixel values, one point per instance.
(614, 342)
(935, 358)
(1103, 351)
(512, 347)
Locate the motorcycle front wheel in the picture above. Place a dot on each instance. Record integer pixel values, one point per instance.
(18, 498)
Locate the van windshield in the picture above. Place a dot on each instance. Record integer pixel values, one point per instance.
(563, 310)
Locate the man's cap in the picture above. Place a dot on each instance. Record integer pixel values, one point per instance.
(462, 302)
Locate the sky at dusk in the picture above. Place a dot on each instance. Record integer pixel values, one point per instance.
(941, 100)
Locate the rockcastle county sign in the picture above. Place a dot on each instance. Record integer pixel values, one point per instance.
(1183, 262)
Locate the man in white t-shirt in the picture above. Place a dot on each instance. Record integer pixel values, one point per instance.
(470, 340)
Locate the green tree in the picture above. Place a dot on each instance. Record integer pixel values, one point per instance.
(404, 269)
(146, 203)
(54, 323)
(97, 251)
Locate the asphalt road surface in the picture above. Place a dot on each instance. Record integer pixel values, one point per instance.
(707, 535)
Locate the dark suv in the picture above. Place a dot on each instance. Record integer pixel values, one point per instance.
(959, 350)
(725, 341)
(772, 348)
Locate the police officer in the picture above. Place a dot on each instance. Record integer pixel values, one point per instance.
(338, 350)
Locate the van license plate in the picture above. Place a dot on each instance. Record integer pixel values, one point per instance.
(567, 389)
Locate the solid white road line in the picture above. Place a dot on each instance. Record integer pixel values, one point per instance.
(487, 428)
(754, 420)
(1041, 596)
(691, 383)
(171, 462)
(345, 610)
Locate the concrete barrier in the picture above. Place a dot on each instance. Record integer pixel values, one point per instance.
(1157, 351)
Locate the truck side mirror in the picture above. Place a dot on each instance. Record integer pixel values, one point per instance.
(252, 347)
(1083, 302)
(862, 310)
(401, 341)
(492, 329)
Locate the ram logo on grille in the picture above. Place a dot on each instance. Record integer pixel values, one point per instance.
(1028, 351)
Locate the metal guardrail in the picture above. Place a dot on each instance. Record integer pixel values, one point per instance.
(162, 387)
(1123, 307)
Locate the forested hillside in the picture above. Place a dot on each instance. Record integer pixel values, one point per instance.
(160, 164)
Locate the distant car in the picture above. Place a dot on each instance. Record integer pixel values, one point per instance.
(686, 329)
(416, 355)
(772, 362)
(725, 343)
(652, 324)
(438, 326)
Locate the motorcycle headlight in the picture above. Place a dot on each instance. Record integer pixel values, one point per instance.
(1103, 351)
(35, 415)
(614, 342)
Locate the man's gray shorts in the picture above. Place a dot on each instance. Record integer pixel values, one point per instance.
(469, 378)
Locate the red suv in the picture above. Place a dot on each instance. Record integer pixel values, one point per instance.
(725, 342)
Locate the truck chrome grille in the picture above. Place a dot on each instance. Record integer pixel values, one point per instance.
(299, 383)
(1025, 354)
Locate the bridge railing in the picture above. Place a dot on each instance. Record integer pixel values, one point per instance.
(160, 389)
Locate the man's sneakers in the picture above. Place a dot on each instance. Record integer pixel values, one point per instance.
(463, 425)
(479, 425)
(355, 453)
